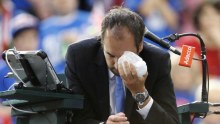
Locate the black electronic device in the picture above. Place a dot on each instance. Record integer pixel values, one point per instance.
(32, 68)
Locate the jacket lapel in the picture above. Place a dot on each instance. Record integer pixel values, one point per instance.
(129, 103)
(102, 85)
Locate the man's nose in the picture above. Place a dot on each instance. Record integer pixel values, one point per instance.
(116, 62)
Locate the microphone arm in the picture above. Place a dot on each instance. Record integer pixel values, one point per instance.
(197, 109)
(174, 37)
(149, 35)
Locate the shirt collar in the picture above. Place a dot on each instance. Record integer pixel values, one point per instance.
(110, 74)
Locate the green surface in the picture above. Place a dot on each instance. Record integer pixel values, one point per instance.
(196, 108)
(33, 95)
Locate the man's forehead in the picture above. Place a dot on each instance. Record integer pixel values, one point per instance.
(118, 32)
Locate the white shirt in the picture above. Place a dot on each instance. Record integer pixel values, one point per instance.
(143, 112)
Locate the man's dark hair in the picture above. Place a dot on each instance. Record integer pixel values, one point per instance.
(199, 10)
(124, 17)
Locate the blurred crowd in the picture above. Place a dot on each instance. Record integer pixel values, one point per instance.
(51, 25)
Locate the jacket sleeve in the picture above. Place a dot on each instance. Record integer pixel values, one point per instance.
(164, 109)
(85, 115)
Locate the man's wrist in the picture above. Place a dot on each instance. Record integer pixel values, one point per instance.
(144, 104)
(141, 97)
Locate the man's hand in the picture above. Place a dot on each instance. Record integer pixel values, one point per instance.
(119, 118)
(134, 83)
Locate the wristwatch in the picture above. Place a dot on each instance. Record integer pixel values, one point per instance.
(141, 97)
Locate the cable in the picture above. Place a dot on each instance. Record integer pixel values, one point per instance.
(25, 111)
(20, 110)
(7, 62)
(205, 72)
(207, 81)
(174, 37)
(11, 88)
(207, 69)
(15, 73)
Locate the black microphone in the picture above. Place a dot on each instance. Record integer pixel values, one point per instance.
(149, 35)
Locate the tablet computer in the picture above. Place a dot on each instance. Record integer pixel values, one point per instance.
(32, 67)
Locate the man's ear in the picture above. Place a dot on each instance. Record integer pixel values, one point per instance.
(141, 45)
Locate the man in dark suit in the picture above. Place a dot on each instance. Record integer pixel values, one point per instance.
(92, 64)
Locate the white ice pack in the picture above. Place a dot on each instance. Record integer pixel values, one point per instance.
(130, 57)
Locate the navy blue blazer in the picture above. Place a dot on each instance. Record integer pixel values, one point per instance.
(87, 74)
